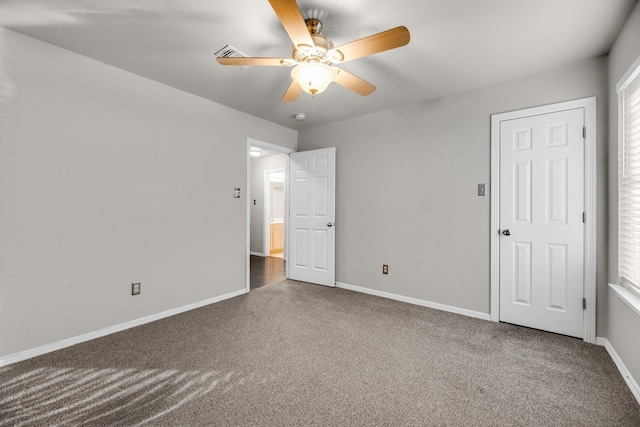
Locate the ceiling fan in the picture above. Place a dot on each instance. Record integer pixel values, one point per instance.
(314, 55)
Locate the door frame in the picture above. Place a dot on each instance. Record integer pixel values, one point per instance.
(266, 240)
(590, 169)
(252, 142)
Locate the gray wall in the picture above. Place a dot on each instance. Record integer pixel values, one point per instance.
(258, 166)
(108, 178)
(623, 324)
(407, 181)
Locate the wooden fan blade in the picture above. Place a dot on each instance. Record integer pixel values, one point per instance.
(292, 21)
(253, 61)
(292, 92)
(354, 83)
(390, 39)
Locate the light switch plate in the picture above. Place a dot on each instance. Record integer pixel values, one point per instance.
(482, 189)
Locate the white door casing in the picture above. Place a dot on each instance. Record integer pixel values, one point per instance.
(590, 204)
(541, 221)
(312, 216)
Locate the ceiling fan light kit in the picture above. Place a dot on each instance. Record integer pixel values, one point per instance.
(314, 77)
(314, 55)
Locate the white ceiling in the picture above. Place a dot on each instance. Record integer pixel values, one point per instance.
(456, 45)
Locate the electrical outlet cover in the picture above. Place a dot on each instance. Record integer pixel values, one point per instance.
(135, 288)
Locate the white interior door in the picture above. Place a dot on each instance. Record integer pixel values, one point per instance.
(541, 221)
(312, 216)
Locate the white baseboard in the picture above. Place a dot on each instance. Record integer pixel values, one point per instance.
(68, 342)
(415, 301)
(257, 254)
(628, 378)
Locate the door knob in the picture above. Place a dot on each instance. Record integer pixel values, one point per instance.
(506, 232)
(329, 224)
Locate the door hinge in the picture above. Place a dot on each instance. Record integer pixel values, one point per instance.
(584, 217)
(584, 132)
(584, 303)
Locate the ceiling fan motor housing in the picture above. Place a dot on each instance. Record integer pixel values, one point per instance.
(322, 51)
(314, 26)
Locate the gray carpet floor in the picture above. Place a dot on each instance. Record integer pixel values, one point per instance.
(299, 354)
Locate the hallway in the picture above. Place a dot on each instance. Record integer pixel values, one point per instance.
(266, 271)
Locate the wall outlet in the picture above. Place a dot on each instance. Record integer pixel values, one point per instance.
(385, 269)
(135, 288)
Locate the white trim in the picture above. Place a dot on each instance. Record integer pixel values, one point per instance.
(68, 342)
(628, 297)
(247, 262)
(631, 73)
(494, 241)
(266, 196)
(279, 148)
(628, 378)
(252, 142)
(415, 301)
(287, 215)
(266, 206)
(590, 229)
(590, 169)
(601, 341)
(257, 254)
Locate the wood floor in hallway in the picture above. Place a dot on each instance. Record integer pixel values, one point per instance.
(266, 271)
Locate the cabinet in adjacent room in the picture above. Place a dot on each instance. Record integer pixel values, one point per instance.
(276, 238)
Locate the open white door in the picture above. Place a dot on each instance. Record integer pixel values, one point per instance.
(312, 216)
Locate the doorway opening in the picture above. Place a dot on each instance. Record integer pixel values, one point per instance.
(267, 201)
(274, 206)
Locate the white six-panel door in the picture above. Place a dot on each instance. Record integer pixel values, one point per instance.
(312, 216)
(541, 222)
